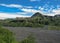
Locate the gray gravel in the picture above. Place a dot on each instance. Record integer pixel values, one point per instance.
(42, 36)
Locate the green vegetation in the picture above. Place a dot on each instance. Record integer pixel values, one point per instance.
(53, 28)
(29, 39)
(6, 36)
(37, 20)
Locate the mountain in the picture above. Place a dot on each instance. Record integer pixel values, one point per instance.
(36, 15)
(58, 15)
(41, 15)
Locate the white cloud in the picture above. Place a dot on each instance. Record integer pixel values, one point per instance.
(49, 14)
(15, 5)
(12, 5)
(28, 7)
(52, 13)
(34, 0)
(27, 10)
(21, 13)
(46, 6)
(41, 8)
(30, 10)
(10, 15)
(56, 11)
(58, 6)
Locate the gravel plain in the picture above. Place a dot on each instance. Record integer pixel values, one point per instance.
(41, 35)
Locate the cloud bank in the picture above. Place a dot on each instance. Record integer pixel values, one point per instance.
(29, 9)
(10, 15)
(15, 5)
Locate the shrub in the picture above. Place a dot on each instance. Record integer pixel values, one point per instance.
(53, 28)
(29, 39)
(6, 36)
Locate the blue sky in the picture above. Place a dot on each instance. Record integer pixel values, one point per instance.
(26, 8)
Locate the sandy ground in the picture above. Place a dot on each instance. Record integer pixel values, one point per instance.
(41, 35)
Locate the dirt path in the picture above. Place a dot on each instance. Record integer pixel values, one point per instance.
(42, 36)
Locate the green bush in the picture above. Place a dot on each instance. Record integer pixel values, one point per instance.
(29, 39)
(53, 28)
(6, 36)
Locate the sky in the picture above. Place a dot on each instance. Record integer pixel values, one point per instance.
(26, 8)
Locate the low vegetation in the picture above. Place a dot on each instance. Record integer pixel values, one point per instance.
(53, 28)
(6, 36)
(37, 20)
(29, 39)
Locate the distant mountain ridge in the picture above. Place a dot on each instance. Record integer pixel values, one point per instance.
(37, 14)
(36, 20)
(41, 15)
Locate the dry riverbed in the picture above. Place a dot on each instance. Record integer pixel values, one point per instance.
(41, 35)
